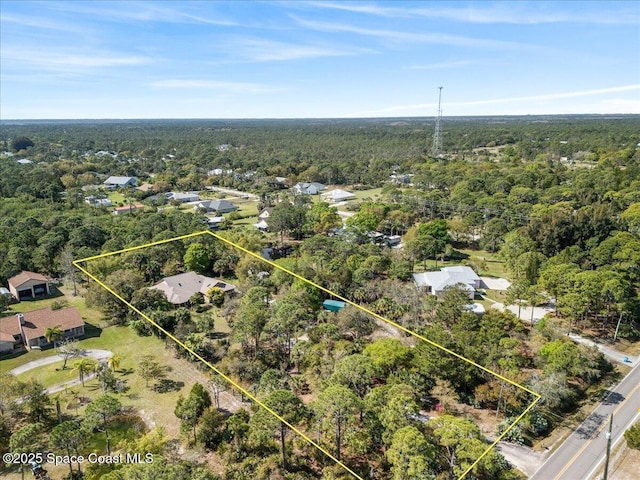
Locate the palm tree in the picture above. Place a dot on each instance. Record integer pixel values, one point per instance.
(53, 334)
(114, 362)
(83, 367)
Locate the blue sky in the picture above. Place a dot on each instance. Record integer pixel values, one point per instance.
(162, 59)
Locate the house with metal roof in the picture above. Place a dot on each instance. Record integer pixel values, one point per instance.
(313, 188)
(435, 282)
(114, 182)
(218, 206)
(337, 195)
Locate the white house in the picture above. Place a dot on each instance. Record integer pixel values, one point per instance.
(313, 188)
(435, 282)
(114, 182)
(337, 195)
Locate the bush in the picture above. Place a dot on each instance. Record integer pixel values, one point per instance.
(632, 436)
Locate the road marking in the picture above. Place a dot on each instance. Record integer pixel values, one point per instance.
(595, 435)
(613, 446)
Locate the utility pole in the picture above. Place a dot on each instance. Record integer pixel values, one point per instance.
(436, 148)
(608, 435)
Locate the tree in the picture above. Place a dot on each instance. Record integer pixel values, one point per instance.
(27, 439)
(251, 317)
(412, 457)
(149, 369)
(211, 428)
(114, 362)
(38, 403)
(101, 411)
(335, 407)
(53, 334)
(21, 143)
(191, 408)
(67, 437)
(197, 258)
(68, 349)
(264, 424)
(356, 372)
(84, 367)
(388, 354)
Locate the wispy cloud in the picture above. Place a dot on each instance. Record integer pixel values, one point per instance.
(139, 12)
(32, 21)
(260, 50)
(520, 13)
(448, 64)
(71, 61)
(234, 87)
(398, 109)
(405, 37)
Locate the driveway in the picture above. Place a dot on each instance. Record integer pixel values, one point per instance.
(96, 354)
(609, 352)
(525, 311)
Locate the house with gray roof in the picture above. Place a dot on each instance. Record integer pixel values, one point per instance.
(114, 182)
(182, 197)
(180, 288)
(435, 282)
(219, 206)
(313, 188)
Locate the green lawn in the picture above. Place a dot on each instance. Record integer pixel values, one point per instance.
(51, 374)
(116, 198)
(371, 194)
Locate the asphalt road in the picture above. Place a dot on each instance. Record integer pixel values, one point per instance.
(581, 456)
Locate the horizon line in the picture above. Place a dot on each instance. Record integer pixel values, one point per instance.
(317, 118)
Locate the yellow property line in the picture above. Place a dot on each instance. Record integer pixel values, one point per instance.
(375, 315)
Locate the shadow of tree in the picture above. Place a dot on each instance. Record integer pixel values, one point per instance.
(167, 385)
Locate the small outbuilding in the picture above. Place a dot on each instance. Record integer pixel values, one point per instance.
(333, 305)
(27, 285)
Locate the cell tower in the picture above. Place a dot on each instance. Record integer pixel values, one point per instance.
(436, 148)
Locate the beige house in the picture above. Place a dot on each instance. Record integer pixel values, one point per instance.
(27, 330)
(180, 288)
(27, 285)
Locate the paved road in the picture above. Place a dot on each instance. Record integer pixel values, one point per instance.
(582, 454)
(93, 353)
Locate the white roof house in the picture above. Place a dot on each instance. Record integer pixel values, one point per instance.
(313, 188)
(117, 182)
(337, 195)
(435, 282)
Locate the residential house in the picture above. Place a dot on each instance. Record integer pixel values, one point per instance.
(435, 282)
(97, 202)
(27, 330)
(262, 225)
(313, 188)
(215, 222)
(337, 195)
(27, 285)
(218, 206)
(180, 288)
(114, 182)
(128, 209)
(182, 197)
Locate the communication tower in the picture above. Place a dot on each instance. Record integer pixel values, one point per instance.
(436, 148)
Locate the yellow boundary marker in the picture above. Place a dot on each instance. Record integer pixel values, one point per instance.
(248, 394)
